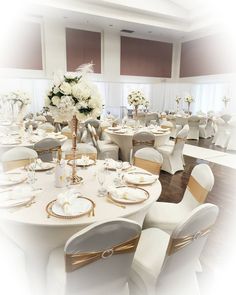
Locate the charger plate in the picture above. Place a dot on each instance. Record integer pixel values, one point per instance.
(55, 210)
(125, 190)
(80, 163)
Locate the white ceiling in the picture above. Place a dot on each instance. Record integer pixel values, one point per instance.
(153, 19)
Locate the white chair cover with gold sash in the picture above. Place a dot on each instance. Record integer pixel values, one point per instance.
(140, 140)
(173, 154)
(104, 149)
(47, 148)
(165, 215)
(17, 157)
(166, 264)
(193, 122)
(148, 159)
(97, 260)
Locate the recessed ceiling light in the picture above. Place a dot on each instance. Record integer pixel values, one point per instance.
(127, 31)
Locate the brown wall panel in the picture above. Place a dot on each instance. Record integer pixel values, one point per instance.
(83, 47)
(210, 55)
(140, 57)
(22, 48)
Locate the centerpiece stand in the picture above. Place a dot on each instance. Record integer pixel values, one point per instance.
(75, 179)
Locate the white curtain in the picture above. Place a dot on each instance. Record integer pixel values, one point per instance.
(207, 96)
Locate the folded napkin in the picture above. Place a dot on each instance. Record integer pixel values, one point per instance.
(112, 164)
(139, 178)
(127, 193)
(67, 202)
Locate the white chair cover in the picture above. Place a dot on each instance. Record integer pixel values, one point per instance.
(206, 130)
(173, 155)
(166, 265)
(47, 148)
(17, 157)
(165, 215)
(140, 140)
(193, 123)
(148, 159)
(232, 140)
(222, 135)
(106, 275)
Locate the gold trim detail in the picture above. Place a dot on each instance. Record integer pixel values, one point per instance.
(109, 196)
(77, 260)
(179, 243)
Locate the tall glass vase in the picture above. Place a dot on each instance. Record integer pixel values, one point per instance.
(75, 179)
(189, 108)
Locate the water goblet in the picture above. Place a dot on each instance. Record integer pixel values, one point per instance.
(101, 179)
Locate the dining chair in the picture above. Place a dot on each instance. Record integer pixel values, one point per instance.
(174, 128)
(140, 140)
(96, 260)
(206, 130)
(166, 215)
(104, 150)
(222, 134)
(47, 148)
(17, 157)
(173, 160)
(48, 127)
(83, 149)
(232, 139)
(193, 123)
(165, 264)
(148, 159)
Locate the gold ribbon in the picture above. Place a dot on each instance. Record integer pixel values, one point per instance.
(10, 165)
(179, 243)
(78, 260)
(140, 142)
(148, 165)
(198, 191)
(180, 139)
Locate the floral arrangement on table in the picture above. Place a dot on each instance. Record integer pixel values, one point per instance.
(226, 100)
(20, 99)
(136, 99)
(74, 95)
(178, 99)
(189, 99)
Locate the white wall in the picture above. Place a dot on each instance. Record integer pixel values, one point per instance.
(113, 86)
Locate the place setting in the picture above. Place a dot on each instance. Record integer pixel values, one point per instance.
(84, 161)
(39, 166)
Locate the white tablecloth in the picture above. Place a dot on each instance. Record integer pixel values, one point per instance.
(35, 233)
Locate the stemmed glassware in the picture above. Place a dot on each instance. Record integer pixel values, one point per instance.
(101, 179)
(119, 166)
(31, 173)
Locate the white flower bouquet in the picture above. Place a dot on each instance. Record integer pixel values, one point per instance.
(178, 99)
(73, 94)
(136, 98)
(18, 97)
(188, 99)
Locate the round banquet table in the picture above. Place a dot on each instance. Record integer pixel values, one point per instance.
(37, 234)
(124, 141)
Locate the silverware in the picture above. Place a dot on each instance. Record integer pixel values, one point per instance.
(115, 203)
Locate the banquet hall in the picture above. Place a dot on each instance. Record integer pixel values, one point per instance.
(117, 147)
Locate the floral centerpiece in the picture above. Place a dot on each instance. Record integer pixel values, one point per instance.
(136, 99)
(20, 100)
(189, 100)
(226, 100)
(74, 98)
(178, 99)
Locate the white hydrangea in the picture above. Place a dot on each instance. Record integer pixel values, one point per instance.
(65, 88)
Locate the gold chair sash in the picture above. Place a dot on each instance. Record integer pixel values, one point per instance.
(140, 142)
(179, 243)
(198, 191)
(148, 165)
(179, 139)
(78, 260)
(10, 165)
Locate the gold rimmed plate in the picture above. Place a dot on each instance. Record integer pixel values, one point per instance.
(81, 206)
(10, 179)
(139, 178)
(44, 166)
(81, 162)
(128, 195)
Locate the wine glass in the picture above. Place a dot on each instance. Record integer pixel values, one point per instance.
(119, 167)
(31, 173)
(101, 179)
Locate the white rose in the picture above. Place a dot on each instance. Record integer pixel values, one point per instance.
(56, 100)
(76, 91)
(70, 76)
(65, 88)
(56, 90)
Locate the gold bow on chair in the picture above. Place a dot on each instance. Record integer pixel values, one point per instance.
(179, 243)
(78, 260)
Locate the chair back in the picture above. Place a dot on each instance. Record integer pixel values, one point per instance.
(98, 258)
(46, 148)
(142, 139)
(180, 140)
(149, 159)
(188, 239)
(84, 149)
(67, 132)
(17, 157)
(200, 183)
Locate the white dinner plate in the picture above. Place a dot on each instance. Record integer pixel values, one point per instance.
(111, 165)
(42, 166)
(15, 203)
(128, 195)
(140, 178)
(82, 162)
(12, 179)
(121, 131)
(79, 206)
(114, 128)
